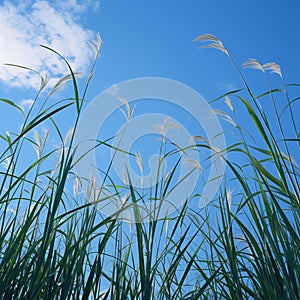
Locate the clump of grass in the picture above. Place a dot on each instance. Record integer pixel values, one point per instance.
(45, 241)
(55, 245)
(256, 240)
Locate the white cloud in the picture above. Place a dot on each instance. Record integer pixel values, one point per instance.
(26, 103)
(55, 24)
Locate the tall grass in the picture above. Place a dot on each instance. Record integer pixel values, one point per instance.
(56, 245)
(256, 240)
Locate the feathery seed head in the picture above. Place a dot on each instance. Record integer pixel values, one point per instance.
(216, 43)
(96, 45)
(273, 67)
(229, 103)
(253, 64)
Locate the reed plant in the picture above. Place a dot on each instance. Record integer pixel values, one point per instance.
(244, 245)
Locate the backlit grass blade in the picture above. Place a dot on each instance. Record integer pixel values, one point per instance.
(11, 103)
(76, 93)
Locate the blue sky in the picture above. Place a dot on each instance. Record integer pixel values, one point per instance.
(153, 38)
(141, 39)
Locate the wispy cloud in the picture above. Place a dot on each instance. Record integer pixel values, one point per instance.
(52, 23)
(227, 86)
(26, 104)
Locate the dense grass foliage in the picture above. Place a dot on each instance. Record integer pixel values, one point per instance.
(244, 245)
